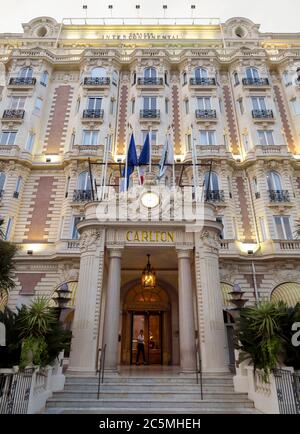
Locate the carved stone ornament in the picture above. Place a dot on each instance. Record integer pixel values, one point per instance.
(89, 239)
(210, 239)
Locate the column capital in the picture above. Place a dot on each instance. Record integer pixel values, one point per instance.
(183, 252)
(115, 251)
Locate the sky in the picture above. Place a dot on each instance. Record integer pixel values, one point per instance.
(273, 15)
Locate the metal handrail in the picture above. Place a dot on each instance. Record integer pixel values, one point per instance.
(199, 368)
(100, 371)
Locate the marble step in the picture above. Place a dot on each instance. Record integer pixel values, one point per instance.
(148, 380)
(153, 410)
(153, 387)
(130, 403)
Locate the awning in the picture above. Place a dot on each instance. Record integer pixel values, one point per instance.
(288, 292)
(226, 288)
(3, 299)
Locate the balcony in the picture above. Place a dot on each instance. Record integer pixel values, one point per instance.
(82, 195)
(153, 82)
(263, 115)
(215, 196)
(150, 115)
(203, 82)
(13, 115)
(22, 82)
(279, 196)
(96, 82)
(93, 115)
(206, 115)
(256, 82)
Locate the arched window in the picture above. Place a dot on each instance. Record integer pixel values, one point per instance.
(274, 181)
(150, 73)
(98, 72)
(2, 182)
(200, 73)
(236, 78)
(84, 181)
(26, 72)
(45, 78)
(211, 181)
(252, 73)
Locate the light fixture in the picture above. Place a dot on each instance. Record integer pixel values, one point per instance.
(148, 276)
(193, 7)
(110, 6)
(29, 252)
(48, 160)
(150, 199)
(165, 6)
(137, 6)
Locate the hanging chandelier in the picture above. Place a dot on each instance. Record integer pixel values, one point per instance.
(148, 276)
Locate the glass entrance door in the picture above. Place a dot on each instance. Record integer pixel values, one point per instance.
(151, 324)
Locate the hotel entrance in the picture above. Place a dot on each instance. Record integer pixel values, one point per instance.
(151, 324)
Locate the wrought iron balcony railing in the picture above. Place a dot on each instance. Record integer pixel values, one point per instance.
(256, 81)
(150, 114)
(262, 114)
(214, 196)
(154, 81)
(22, 81)
(206, 114)
(96, 81)
(279, 196)
(82, 195)
(93, 114)
(13, 114)
(208, 81)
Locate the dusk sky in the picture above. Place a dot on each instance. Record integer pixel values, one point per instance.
(272, 15)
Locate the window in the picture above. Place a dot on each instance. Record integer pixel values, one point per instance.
(266, 137)
(17, 102)
(94, 103)
(150, 73)
(38, 104)
(166, 79)
(133, 78)
(132, 106)
(252, 73)
(167, 105)
(84, 181)
(72, 140)
(221, 105)
(98, 72)
(186, 106)
(112, 106)
(149, 102)
(246, 143)
(263, 229)
(62, 223)
(220, 219)
(77, 105)
(283, 227)
(229, 186)
(207, 137)
(26, 73)
(204, 103)
(200, 73)
(236, 78)
(274, 181)
(8, 137)
(153, 136)
(74, 231)
(2, 181)
(90, 137)
(255, 188)
(18, 187)
(258, 103)
(45, 78)
(286, 78)
(8, 228)
(241, 105)
(115, 78)
(184, 78)
(211, 181)
(188, 142)
(67, 187)
(295, 106)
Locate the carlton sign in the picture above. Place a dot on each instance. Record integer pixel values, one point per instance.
(150, 236)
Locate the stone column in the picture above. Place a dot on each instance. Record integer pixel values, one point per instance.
(209, 298)
(112, 309)
(186, 313)
(83, 354)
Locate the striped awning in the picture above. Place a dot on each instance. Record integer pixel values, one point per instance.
(226, 288)
(3, 299)
(288, 292)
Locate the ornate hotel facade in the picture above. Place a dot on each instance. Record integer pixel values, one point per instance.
(71, 94)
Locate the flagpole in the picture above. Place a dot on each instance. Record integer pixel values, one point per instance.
(106, 164)
(171, 134)
(150, 149)
(126, 158)
(103, 168)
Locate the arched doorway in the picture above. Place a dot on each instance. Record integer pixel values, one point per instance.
(148, 309)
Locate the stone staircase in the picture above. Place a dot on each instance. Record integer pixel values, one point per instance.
(122, 394)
